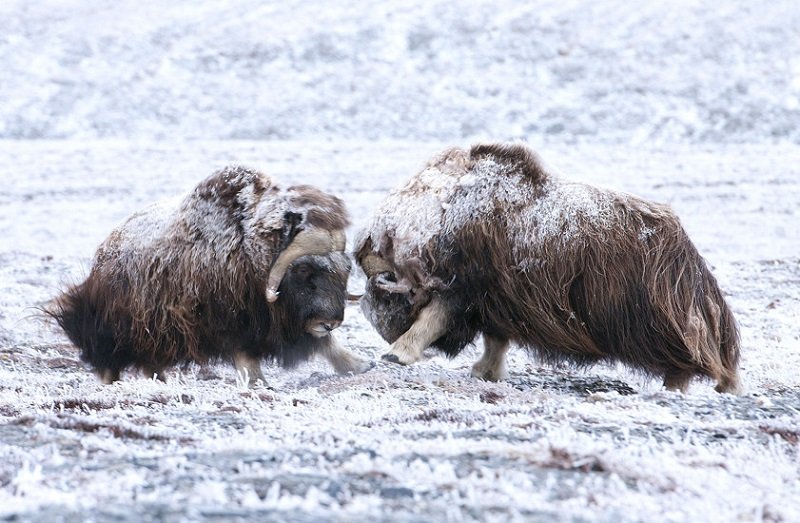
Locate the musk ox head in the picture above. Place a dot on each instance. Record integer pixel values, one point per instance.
(308, 221)
(314, 292)
(388, 309)
(392, 299)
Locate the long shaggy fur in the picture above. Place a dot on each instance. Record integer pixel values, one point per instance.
(572, 272)
(185, 280)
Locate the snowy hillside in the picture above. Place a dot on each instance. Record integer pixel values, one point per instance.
(609, 71)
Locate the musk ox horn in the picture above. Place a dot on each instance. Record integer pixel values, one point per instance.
(307, 242)
(374, 264)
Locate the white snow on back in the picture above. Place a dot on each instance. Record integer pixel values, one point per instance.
(149, 225)
(439, 202)
(561, 212)
(487, 189)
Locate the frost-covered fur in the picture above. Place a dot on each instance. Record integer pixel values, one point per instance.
(488, 241)
(185, 279)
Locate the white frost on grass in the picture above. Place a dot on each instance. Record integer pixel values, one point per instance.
(406, 442)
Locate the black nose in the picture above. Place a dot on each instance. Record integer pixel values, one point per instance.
(330, 325)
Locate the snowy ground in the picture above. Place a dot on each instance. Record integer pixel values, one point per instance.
(410, 444)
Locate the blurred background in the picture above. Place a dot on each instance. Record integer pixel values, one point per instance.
(615, 71)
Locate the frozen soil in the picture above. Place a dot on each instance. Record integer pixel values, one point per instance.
(418, 443)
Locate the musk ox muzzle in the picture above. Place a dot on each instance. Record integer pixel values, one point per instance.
(314, 290)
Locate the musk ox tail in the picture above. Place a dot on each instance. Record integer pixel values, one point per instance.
(699, 317)
(79, 312)
(729, 352)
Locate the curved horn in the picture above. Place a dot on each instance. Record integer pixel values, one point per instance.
(307, 242)
(374, 264)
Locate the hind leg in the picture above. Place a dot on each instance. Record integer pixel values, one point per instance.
(729, 383)
(151, 371)
(108, 376)
(248, 368)
(677, 381)
(492, 365)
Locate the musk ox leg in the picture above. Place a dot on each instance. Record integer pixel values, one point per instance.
(492, 365)
(248, 368)
(430, 326)
(150, 372)
(715, 357)
(108, 376)
(342, 360)
(677, 382)
(729, 383)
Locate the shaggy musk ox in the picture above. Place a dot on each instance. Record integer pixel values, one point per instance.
(489, 241)
(239, 269)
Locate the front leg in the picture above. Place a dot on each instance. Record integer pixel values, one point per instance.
(342, 360)
(248, 368)
(492, 365)
(429, 326)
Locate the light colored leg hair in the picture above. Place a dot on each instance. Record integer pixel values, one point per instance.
(342, 360)
(248, 368)
(726, 383)
(429, 326)
(730, 384)
(492, 365)
(108, 376)
(154, 372)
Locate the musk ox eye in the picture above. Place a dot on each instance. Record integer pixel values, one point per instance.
(302, 270)
(387, 281)
(387, 277)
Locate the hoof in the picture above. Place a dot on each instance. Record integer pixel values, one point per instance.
(361, 366)
(391, 358)
(489, 375)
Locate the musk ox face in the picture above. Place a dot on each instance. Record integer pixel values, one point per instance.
(389, 305)
(314, 290)
(394, 296)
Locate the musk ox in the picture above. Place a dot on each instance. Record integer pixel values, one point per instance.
(487, 240)
(238, 269)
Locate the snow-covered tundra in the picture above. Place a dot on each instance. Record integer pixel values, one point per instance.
(487, 240)
(239, 269)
